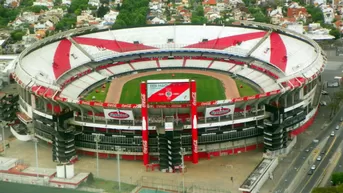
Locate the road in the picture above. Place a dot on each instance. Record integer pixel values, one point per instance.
(334, 68)
(303, 155)
(311, 181)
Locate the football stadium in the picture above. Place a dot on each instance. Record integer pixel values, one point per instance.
(158, 93)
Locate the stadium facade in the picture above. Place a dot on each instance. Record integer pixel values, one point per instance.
(283, 65)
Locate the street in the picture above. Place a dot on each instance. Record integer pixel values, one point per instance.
(311, 181)
(299, 161)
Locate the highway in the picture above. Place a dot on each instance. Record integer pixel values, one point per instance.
(312, 181)
(298, 162)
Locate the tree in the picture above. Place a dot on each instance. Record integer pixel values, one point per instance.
(119, 24)
(102, 11)
(337, 178)
(90, 179)
(335, 32)
(316, 13)
(332, 189)
(17, 35)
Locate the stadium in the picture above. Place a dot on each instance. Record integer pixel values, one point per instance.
(158, 93)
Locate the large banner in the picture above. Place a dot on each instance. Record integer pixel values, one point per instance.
(168, 91)
(118, 114)
(219, 111)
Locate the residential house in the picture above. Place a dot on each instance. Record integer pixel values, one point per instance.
(297, 12)
(29, 17)
(209, 2)
(328, 13)
(87, 19)
(12, 3)
(222, 5)
(66, 2)
(55, 12)
(16, 23)
(46, 3)
(95, 3)
(157, 20)
(275, 15)
(110, 17)
(339, 25)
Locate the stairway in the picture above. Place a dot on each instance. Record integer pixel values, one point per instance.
(163, 151)
(170, 150)
(63, 146)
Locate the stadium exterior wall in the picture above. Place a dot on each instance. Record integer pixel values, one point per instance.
(46, 107)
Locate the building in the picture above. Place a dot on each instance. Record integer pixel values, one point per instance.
(289, 85)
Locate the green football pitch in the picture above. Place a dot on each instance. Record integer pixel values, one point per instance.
(208, 88)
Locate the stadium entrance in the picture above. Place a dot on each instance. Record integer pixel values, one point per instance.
(169, 137)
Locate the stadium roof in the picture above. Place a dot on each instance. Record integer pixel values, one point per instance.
(287, 53)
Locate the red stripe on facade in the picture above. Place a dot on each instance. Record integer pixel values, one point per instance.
(278, 52)
(225, 42)
(175, 89)
(114, 45)
(61, 62)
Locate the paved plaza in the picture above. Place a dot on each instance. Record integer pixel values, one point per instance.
(214, 173)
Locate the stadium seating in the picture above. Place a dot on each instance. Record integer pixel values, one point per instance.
(119, 69)
(220, 65)
(170, 63)
(198, 63)
(144, 65)
(76, 87)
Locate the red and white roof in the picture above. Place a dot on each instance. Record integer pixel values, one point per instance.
(290, 55)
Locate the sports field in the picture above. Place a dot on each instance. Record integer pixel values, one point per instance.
(208, 88)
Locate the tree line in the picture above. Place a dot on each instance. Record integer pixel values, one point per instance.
(132, 13)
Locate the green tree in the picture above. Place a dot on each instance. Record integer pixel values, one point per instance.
(90, 179)
(132, 13)
(335, 32)
(17, 35)
(119, 24)
(316, 13)
(260, 17)
(337, 178)
(103, 10)
(36, 9)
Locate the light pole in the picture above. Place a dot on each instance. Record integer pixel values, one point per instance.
(3, 137)
(183, 169)
(35, 140)
(118, 166)
(97, 140)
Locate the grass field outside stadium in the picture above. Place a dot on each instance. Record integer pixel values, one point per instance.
(208, 88)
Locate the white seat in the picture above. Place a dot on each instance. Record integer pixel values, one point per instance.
(220, 65)
(236, 68)
(170, 63)
(119, 69)
(198, 63)
(144, 65)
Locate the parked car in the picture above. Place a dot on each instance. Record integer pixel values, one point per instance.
(322, 103)
(324, 92)
(313, 167)
(341, 119)
(310, 172)
(319, 158)
(332, 133)
(337, 127)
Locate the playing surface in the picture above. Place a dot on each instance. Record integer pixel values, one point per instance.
(208, 87)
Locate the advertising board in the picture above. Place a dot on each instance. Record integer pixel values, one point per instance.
(219, 111)
(118, 114)
(168, 91)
